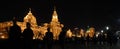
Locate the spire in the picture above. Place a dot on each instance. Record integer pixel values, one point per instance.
(29, 13)
(54, 12)
(55, 16)
(29, 10)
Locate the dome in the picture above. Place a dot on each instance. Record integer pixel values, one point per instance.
(30, 18)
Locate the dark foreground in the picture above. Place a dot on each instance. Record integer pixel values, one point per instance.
(37, 44)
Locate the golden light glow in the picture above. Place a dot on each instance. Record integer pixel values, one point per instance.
(55, 26)
(3, 35)
(30, 18)
(69, 33)
(92, 32)
(39, 31)
(55, 16)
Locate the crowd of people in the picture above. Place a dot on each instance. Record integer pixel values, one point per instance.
(17, 39)
(24, 40)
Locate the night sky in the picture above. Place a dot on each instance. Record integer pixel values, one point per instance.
(70, 12)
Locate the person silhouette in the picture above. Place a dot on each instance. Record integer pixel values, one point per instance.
(15, 31)
(48, 39)
(14, 35)
(62, 38)
(28, 36)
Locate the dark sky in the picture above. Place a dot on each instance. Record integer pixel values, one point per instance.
(72, 12)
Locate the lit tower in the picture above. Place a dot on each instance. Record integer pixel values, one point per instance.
(55, 25)
(30, 18)
(54, 16)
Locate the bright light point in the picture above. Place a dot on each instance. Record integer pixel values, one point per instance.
(97, 34)
(107, 28)
(2, 37)
(33, 37)
(102, 31)
(88, 31)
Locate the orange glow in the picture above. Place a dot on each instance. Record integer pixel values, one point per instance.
(82, 32)
(55, 26)
(3, 36)
(92, 31)
(69, 33)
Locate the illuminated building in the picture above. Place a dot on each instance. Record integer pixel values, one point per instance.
(31, 19)
(55, 26)
(28, 18)
(39, 31)
(4, 27)
(82, 32)
(91, 32)
(87, 32)
(69, 34)
(42, 31)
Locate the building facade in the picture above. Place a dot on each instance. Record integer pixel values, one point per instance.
(39, 31)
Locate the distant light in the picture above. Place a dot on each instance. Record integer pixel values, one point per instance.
(88, 26)
(34, 38)
(97, 34)
(102, 31)
(76, 28)
(88, 31)
(118, 38)
(107, 28)
(2, 37)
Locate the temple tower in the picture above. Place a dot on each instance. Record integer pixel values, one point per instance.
(55, 26)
